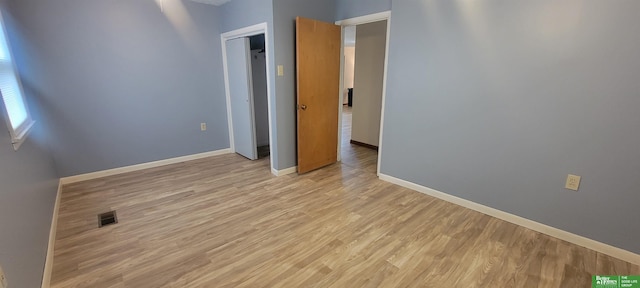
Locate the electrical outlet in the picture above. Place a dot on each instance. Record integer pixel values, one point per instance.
(573, 182)
(203, 126)
(3, 279)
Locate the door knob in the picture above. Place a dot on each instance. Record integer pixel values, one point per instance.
(303, 107)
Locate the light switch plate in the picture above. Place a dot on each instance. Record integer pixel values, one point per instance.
(280, 70)
(573, 182)
(203, 126)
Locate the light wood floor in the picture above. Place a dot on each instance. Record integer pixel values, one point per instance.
(227, 222)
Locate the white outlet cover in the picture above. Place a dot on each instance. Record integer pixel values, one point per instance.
(573, 182)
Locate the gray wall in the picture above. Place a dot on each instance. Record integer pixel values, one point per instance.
(124, 83)
(505, 98)
(242, 13)
(346, 9)
(27, 194)
(284, 14)
(28, 184)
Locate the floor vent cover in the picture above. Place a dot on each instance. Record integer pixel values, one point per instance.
(108, 218)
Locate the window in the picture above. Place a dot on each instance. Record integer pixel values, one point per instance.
(15, 107)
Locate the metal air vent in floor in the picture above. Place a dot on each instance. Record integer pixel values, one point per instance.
(108, 218)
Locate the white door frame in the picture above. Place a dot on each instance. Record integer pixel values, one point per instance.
(246, 32)
(386, 15)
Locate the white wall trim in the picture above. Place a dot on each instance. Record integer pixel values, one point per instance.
(48, 264)
(536, 226)
(283, 172)
(227, 94)
(384, 92)
(340, 95)
(257, 29)
(245, 31)
(365, 19)
(386, 15)
(142, 166)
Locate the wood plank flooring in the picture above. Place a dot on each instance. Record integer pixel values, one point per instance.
(227, 222)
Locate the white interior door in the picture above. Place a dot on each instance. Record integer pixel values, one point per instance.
(241, 94)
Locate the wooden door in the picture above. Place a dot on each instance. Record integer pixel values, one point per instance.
(241, 96)
(318, 75)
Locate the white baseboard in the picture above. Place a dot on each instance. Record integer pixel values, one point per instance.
(48, 264)
(536, 226)
(283, 172)
(116, 171)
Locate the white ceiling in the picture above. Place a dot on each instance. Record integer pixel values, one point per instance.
(212, 2)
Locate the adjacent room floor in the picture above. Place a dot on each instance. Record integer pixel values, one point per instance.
(226, 221)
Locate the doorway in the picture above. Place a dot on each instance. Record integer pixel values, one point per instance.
(260, 99)
(247, 77)
(363, 85)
